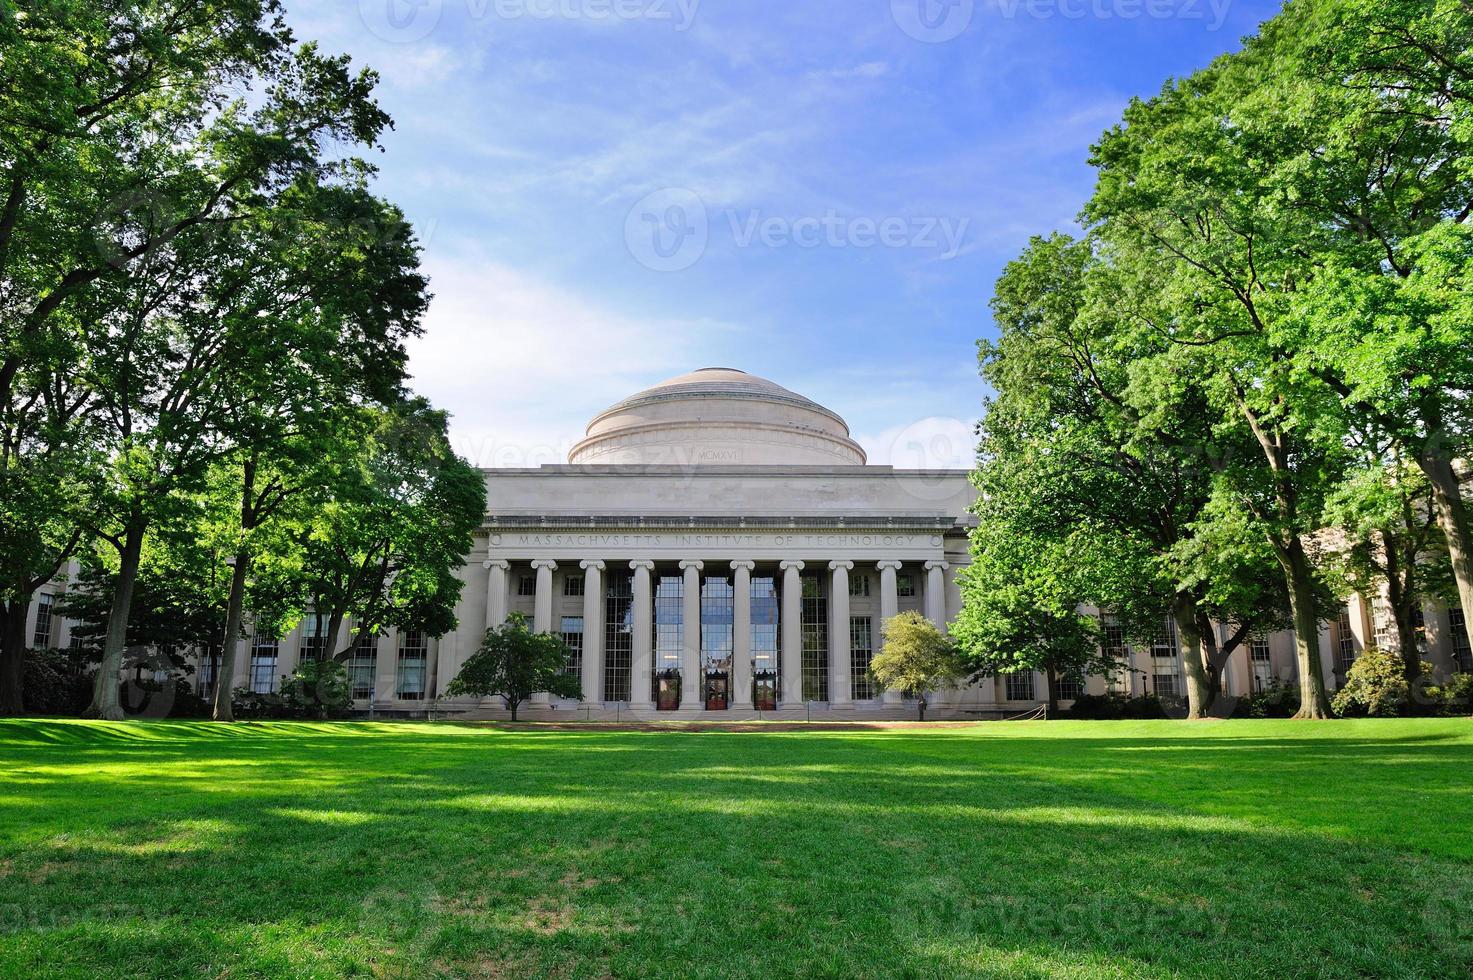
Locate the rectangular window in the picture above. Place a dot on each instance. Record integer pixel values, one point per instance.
(1112, 642)
(572, 634)
(1345, 642)
(414, 657)
(42, 638)
(1165, 684)
(718, 620)
(314, 638)
(1019, 686)
(905, 586)
(618, 635)
(1163, 644)
(527, 584)
(859, 585)
(1258, 650)
(669, 623)
(362, 663)
(573, 585)
(1069, 687)
(766, 658)
(861, 652)
(1462, 653)
(814, 623)
(265, 651)
(208, 669)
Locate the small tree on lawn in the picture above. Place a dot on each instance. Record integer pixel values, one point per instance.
(916, 657)
(515, 663)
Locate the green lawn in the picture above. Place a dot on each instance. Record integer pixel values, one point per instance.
(1233, 849)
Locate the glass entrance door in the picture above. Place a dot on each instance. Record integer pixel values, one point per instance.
(716, 691)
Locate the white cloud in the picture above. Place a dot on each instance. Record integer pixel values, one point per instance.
(928, 443)
(523, 364)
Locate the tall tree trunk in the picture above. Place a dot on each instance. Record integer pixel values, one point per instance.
(1051, 678)
(1403, 608)
(13, 656)
(1199, 691)
(1452, 518)
(105, 702)
(230, 651)
(513, 704)
(1314, 700)
(921, 708)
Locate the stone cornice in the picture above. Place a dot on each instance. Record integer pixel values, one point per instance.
(718, 523)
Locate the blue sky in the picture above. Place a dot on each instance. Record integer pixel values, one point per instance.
(611, 192)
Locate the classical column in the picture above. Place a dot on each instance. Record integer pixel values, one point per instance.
(840, 647)
(741, 634)
(639, 671)
(496, 569)
(542, 608)
(936, 593)
(792, 629)
(889, 609)
(691, 681)
(593, 631)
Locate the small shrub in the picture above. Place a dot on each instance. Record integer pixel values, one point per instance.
(1375, 686)
(1115, 707)
(1453, 699)
(1098, 707)
(318, 689)
(248, 705)
(57, 682)
(1277, 700)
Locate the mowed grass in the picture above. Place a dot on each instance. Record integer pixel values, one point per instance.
(1234, 849)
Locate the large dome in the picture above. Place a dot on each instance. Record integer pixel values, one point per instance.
(718, 416)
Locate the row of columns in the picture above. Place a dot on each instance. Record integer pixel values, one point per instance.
(791, 636)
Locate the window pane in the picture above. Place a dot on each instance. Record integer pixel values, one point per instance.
(861, 652)
(815, 627)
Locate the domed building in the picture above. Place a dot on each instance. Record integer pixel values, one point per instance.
(715, 543)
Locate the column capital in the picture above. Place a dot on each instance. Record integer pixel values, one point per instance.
(546, 563)
(791, 563)
(889, 563)
(500, 563)
(741, 563)
(647, 564)
(932, 565)
(594, 563)
(695, 563)
(847, 566)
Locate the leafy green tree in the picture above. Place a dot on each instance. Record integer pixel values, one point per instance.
(339, 269)
(1116, 487)
(385, 548)
(1386, 515)
(515, 663)
(1210, 260)
(1358, 115)
(917, 657)
(1020, 609)
(181, 301)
